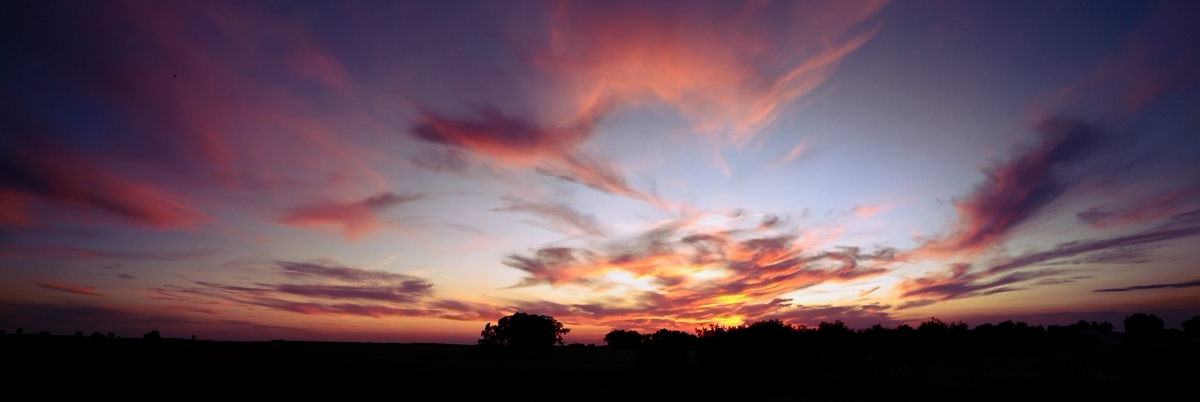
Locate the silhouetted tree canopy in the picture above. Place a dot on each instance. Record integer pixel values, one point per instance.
(619, 338)
(1192, 326)
(524, 331)
(152, 335)
(97, 335)
(1143, 325)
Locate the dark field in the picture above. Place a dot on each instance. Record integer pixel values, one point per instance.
(465, 372)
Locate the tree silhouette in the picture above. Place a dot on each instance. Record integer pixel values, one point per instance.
(620, 338)
(1141, 325)
(1192, 327)
(524, 331)
(152, 335)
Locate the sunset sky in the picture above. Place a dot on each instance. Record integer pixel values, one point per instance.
(408, 171)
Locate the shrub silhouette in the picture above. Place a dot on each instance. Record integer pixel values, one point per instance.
(619, 338)
(79, 333)
(524, 331)
(111, 335)
(97, 335)
(152, 335)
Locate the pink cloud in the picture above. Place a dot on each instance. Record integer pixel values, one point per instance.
(353, 219)
(1014, 191)
(62, 287)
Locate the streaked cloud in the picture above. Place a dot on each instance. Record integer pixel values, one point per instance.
(62, 287)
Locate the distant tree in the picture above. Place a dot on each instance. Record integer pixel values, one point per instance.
(97, 335)
(111, 335)
(1143, 325)
(576, 345)
(935, 325)
(1192, 327)
(152, 335)
(835, 328)
(43, 333)
(524, 331)
(671, 338)
(619, 338)
(79, 333)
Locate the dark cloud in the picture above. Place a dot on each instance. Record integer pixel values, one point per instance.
(126, 276)
(327, 270)
(959, 281)
(393, 295)
(1156, 286)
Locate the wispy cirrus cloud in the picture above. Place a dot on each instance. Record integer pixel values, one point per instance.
(354, 219)
(326, 288)
(62, 287)
(1182, 285)
(558, 215)
(1014, 191)
(587, 60)
(963, 281)
(34, 174)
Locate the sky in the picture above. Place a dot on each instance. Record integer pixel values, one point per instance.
(409, 171)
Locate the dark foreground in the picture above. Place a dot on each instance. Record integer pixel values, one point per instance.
(126, 367)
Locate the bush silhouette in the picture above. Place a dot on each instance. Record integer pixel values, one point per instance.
(111, 335)
(152, 335)
(524, 331)
(97, 335)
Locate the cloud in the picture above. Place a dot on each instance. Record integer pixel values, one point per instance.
(33, 173)
(353, 219)
(688, 271)
(961, 281)
(61, 287)
(560, 216)
(550, 151)
(1155, 286)
(730, 70)
(327, 288)
(68, 252)
(126, 276)
(1014, 191)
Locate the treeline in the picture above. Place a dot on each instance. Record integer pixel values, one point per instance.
(79, 334)
(773, 341)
